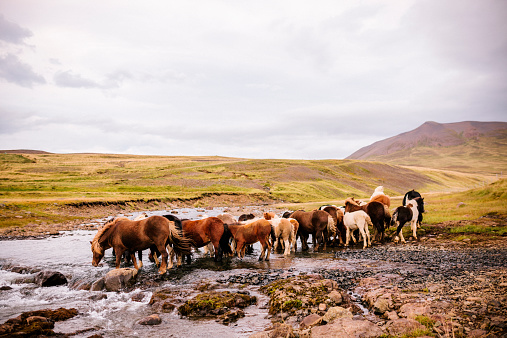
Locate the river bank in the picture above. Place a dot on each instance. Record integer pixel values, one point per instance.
(446, 284)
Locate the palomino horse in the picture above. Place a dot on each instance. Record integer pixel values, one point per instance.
(315, 223)
(412, 194)
(404, 214)
(374, 209)
(250, 233)
(337, 215)
(283, 232)
(357, 220)
(205, 231)
(122, 234)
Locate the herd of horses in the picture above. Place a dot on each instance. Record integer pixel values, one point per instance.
(168, 236)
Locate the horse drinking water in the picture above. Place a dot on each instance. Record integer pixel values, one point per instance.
(122, 234)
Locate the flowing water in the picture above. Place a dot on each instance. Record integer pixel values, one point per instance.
(118, 314)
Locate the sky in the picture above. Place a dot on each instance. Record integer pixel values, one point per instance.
(252, 79)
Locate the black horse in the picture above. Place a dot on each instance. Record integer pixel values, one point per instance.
(412, 194)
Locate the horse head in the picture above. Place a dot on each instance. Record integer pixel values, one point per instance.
(98, 253)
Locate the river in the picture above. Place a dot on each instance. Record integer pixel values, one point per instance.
(118, 314)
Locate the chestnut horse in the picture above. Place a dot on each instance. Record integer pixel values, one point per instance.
(205, 231)
(315, 223)
(122, 234)
(250, 233)
(374, 209)
(386, 201)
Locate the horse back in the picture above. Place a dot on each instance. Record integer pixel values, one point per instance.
(384, 199)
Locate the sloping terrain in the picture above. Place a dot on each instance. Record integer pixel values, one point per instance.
(463, 146)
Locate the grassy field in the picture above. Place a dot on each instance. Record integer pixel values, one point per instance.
(33, 186)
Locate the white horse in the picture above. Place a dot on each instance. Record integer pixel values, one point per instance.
(284, 233)
(357, 220)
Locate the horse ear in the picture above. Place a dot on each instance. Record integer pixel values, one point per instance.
(91, 242)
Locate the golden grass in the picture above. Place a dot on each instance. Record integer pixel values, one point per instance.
(33, 183)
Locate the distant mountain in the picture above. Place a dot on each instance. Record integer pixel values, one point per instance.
(23, 151)
(468, 146)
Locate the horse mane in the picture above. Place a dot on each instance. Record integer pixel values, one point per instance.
(96, 247)
(351, 201)
(176, 220)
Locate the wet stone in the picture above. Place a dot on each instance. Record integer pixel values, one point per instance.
(151, 320)
(50, 278)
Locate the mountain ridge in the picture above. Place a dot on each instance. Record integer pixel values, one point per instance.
(459, 145)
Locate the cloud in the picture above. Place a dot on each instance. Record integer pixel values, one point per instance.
(69, 79)
(13, 70)
(12, 32)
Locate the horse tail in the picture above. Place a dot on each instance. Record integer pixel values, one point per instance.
(331, 226)
(224, 240)
(394, 218)
(368, 220)
(181, 244)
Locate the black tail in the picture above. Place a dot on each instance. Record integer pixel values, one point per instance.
(176, 220)
(224, 241)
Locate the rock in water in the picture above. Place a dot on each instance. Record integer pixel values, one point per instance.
(50, 278)
(151, 320)
(118, 279)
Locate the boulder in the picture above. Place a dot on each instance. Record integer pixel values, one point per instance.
(311, 320)
(335, 297)
(412, 310)
(214, 304)
(403, 326)
(151, 320)
(383, 304)
(98, 285)
(231, 316)
(347, 327)
(336, 312)
(50, 278)
(119, 279)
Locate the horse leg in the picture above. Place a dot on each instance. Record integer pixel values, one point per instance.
(361, 230)
(269, 248)
(134, 261)
(287, 247)
(414, 228)
(119, 253)
(140, 256)
(171, 254)
(347, 237)
(263, 250)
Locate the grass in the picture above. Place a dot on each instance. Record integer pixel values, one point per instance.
(489, 200)
(33, 187)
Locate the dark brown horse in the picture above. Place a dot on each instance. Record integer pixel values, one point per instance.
(337, 215)
(315, 223)
(122, 234)
(386, 201)
(250, 233)
(205, 231)
(376, 212)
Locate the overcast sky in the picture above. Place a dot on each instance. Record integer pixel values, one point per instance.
(254, 79)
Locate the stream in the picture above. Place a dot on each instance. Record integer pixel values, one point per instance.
(118, 314)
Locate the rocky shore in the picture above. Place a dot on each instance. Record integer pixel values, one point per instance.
(437, 286)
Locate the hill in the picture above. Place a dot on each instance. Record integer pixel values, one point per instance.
(109, 177)
(463, 146)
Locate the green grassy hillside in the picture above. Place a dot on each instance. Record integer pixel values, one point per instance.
(102, 177)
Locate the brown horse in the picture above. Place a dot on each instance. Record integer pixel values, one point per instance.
(315, 223)
(374, 209)
(386, 201)
(122, 234)
(205, 231)
(250, 233)
(337, 215)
